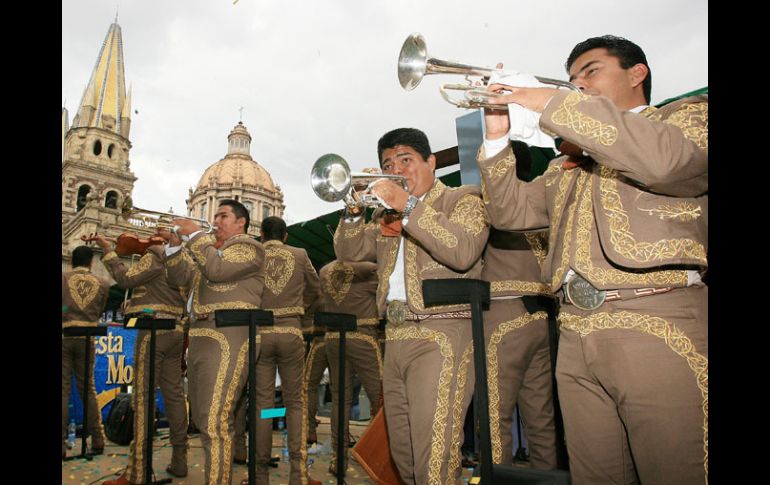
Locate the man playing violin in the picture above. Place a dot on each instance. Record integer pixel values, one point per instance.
(436, 232)
(153, 297)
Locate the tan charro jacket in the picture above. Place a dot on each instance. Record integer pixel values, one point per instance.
(291, 282)
(444, 238)
(512, 263)
(636, 218)
(231, 277)
(83, 297)
(151, 288)
(351, 287)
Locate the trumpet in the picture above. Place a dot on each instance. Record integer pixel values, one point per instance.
(333, 181)
(156, 220)
(414, 64)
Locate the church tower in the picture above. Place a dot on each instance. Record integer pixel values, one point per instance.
(96, 178)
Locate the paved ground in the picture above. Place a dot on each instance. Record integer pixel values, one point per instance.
(112, 463)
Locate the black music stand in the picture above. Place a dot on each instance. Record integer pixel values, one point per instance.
(146, 322)
(342, 322)
(252, 319)
(87, 332)
(476, 293)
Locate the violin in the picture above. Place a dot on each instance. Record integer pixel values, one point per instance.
(128, 244)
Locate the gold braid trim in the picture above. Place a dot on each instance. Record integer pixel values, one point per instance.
(281, 330)
(442, 397)
(427, 222)
(289, 310)
(558, 275)
(141, 266)
(492, 369)
(135, 470)
(623, 239)
(470, 213)
(693, 120)
(78, 323)
(582, 124)
(390, 263)
(221, 287)
(197, 245)
(521, 286)
(109, 256)
(175, 310)
(83, 288)
(240, 253)
(216, 396)
(457, 414)
(681, 211)
(272, 255)
(173, 261)
(538, 248)
(672, 336)
(342, 274)
(611, 275)
(227, 409)
(502, 166)
(366, 338)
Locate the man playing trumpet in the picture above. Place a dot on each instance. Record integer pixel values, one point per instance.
(436, 232)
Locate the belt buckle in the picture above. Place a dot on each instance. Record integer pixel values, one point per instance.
(396, 313)
(583, 294)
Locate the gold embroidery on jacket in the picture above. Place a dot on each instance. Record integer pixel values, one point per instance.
(239, 253)
(607, 275)
(492, 369)
(221, 287)
(427, 222)
(582, 124)
(109, 256)
(693, 120)
(469, 212)
(502, 166)
(157, 307)
(390, 262)
(624, 241)
(279, 268)
(197, 246)
(83, 289)
(289, 310)
(536, 244)
(683, 211)
(669, 333)
(442, 396)
(281, 330)
(338, 281)
(551, 174)
(141, 266)
(558, 275)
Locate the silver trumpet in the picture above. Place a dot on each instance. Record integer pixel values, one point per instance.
(157, 220)
(333, 181)
(414, 64)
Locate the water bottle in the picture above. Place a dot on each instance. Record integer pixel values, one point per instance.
(71, 435)
(285, 447)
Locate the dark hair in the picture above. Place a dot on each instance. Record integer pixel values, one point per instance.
(411, 137)
(273, 227)
(238, 209)
(628, 53)
(82, 256)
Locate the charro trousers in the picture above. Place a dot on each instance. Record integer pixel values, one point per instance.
(73, 362)
(315, 364)
(519, 370)
(633, 386)
(428, 385)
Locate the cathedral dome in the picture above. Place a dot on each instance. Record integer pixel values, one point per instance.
(236, 171)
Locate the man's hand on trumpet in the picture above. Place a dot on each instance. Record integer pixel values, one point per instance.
(392, 194)
(171, 238)
(186, 226)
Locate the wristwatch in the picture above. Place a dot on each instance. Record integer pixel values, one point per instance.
(411, 202)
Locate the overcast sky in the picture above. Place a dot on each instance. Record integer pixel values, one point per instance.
(316, 77)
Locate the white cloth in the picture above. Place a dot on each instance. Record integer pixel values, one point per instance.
(525, 123)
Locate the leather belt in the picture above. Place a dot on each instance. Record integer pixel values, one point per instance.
(580, 292)
(397, 312)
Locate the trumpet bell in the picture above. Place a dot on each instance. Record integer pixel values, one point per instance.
(412, 61)
(330, 177)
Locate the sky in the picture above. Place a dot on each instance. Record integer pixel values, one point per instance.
(319, 77)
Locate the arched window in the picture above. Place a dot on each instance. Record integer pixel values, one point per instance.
(110, 150)
(266, 211)
(111, 201)
(203, 211)
(82, 196)
(97, 147)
